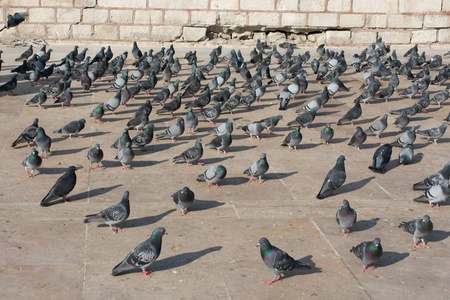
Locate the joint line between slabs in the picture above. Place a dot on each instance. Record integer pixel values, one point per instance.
(284, 184)
(384, 190)
(235, 210)
(85, 262)
(221, 276)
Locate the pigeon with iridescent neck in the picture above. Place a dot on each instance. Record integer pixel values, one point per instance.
(183, 199)
(32, 162)
(419, 228)
(258, 168)
(28, 134)
(293, 139)
(334, 179)
(213, 175)
(434, 179)
(191, 155)
(63, 186)
(368, 252)
(95, 155)
(346, 217)
(434, 133)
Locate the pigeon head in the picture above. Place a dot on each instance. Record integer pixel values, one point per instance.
(345, 204)
(264, 243)
(128, 145)
(359, 129)
(71, 169)
(34, 152)
(263, 156)
(377, 242)
(125, 130)
(160, 231)
(97, 146)
(426, 219)
(328, 125)
(83, 121)
(40, 131)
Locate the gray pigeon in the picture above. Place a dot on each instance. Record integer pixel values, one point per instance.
(419, 228)
(406, 155)
(379, 126)
(183, 199)
(113, 215)
(95, 155)
(97, 113)
(43, 142)
(28, 134)
(73, 127)
(32, 162)
(277, 260)
(191, 155)
(212, 113)
(335, 179)
(224, 128)
(435, 194)
(402, 121)
(326, 134)
(408, 137)
(191, 121)
(221, 143)
(271, 122)
(65, 98)
(114, 102)
(434, 179)
(63, 186)
(440, 97)
(305, 119)
(293, 139)
(232, 102)
(213, 175)
(38, 99)
(346, 217)
(368, 252)
(143, 255)
(258, 168)
(125, 156)
(121, 142)
(434, 133)
(381, 158)
(253, 129)
(144, 138)
(411, 90)
(173, 131)
(358, 138)
(352, 114)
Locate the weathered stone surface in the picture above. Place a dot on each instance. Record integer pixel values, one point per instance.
(68, 15)
(294, 19)
(105, 32)
(85, 3)
(6, 3)
(81, 31)
(363, 36)
(424, 36)
(257, 5)
(419, 6)
(165, 33)
(41, 15)
(444, 35)
(221, 4)
(318, 38)
(179, 4)
(95, 16)
(134, 32)
(312, 5)
(274, 37)
(56, 2)
(322, 20)
(122, 3)
(176, 17)
(232, 19)
(338, 37)
(436, 21)
(32, 30)
(287, 5)
(339, 5)
(265, 19)
(376, 21)
(402, 21)
(121, 16)
(58, 31)
(445, 5)
(148, 17)
(193, 34)
(379, 6)
(395, 37)
(259, 35)
(203, 17)
(351, 20)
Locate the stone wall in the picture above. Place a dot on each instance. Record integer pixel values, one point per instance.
(315, 21)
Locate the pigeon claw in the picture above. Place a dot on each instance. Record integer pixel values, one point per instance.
(279, 277)
(425, 245)
(416, 246)
(217, 186)
(147, 273)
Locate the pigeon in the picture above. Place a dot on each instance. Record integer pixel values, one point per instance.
(253, 129)
(271, 122)
(419, 228)
(279, 79)
(434, 133)
(346, 217)
(95, 155)
(277, 260)
(284, 97)
(440, 97)
(326, 134)
(448, 118)
(258, 169)
(114, 102)
(435, 194)
(173, 131)
(335, 179)
(43, 142)
(121, 142)
(411, 90)
(32, 162)
(232, 103)
(368, 252)
(14, 20)
(97, 113)
(386, 93)
(212, 113)
(183, 199)
(9, 86)
(408, 137)
(381, 158)
(224, 128)
(424, 102)
(120, 81)
(352, 114)
(28, 134)
(73, 127)
(213, 175)
(191, 121)
(201, 101)
(113, 215)
(434, 179)
(305, 119)
(249, 99)
(191, 155)
(63, 186)
(293, 139)
(406, 155)
(379, 126)
(65, 98)
(221, 143)
(410, 111)
(125, 156)
(125, 95)
(143, 255)
(145, 109)
(358, 138)
(171, 107)
(402, 121)
(145, 137)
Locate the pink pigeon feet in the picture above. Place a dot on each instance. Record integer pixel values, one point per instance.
(438, 207)
(273, 280)
(147, 273)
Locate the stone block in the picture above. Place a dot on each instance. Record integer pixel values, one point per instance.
(445, 5)
(259, 35)
(178, 4)
(338, 37)
(95, 15)
(262, 18)
(322, 20)
(148, 17)
(312, 5)
(424, 36)
(436, 21)
(6, 3)
(376, 21)
(339, 5)
(81, 31)
(56, 3)
(58, 31)
(176, 17)
(318, 38)
(122, 3)
(402, 21)
(444, 35)
(41, 15)
(419, 6)
(232, 19)
(294, 19)
(68, 15)
(287, 5)
(165, 33)
(257, 5)
(10, 32)
(378, 6)
(105, 32)
(121, 16)
(86, 3)
(351, 20)
(194, 34)
(226, 5)
(274, 37)
(395, 36)
(134, 32)
(31, 30)
(203, 17)
(363, 37)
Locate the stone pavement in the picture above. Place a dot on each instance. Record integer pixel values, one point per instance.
(47, 252)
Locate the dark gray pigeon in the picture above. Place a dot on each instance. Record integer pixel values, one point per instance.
(213, 175)
(183, 199)
(14, 20)
(402, 121)
(97, 113)
(278, 261)
(143, 255)
(125, 156)
(43, 142)
(326, 134)
(173, 131)
(258, 168)
(212, 113)
(406, 156)
(28, 134)
(378, 126)
(73, 127)
(440, 97)
(113, 215)
(38, 99)
(408, 137)
(221, 143)
(144, 138)
(346, 217)
(65, 98)
(381, 158)
(121, 142)
(352, 114)
(32, 162)
(293, 139)
(419, 228)
(358, 138)
(368, 252)
(9, 86)
(305, 119)
(434, 179)
(334, 179)
(95, 155)
(434, 133)
(191, 155)
(63, 186)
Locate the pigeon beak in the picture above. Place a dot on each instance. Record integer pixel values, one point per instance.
(258, 245)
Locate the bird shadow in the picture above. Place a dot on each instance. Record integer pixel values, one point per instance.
(307, 146)
(369, 146)
(390, 258)
(360, 122)
(234, 181)
(389, 134)
(181, 259)
(326, 113)
(200, 205)
(415, 119)
(271, 176)
(110, 120)
(144, 221)
(330, 105)
(68, 151)
(392, 165)
(338, 140)
(307, 260)
(215, 159)
(93, 193)
(438, 235)
(353, 186)
(364, 225)
(241, 148)
(145, 163)
(162, 147)
(53, 170)
(417, 158)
